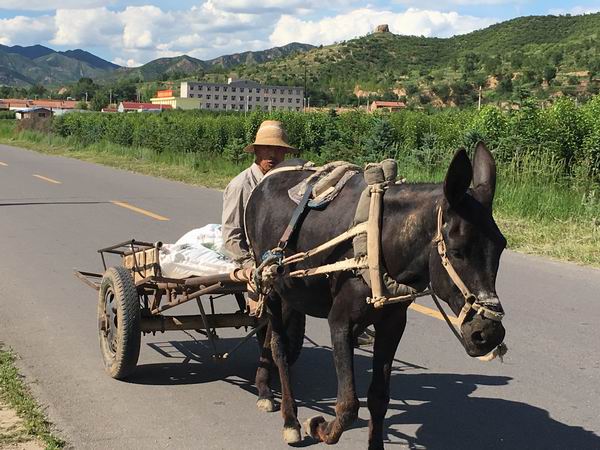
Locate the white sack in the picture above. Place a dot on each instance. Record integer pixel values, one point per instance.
(195, 254)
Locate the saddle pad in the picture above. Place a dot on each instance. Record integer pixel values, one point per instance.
(327, 181)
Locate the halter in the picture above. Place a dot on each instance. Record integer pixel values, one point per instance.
(472, 302)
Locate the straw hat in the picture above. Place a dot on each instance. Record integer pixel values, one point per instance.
(271, 132)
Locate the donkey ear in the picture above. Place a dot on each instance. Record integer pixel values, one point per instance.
(458, 177)
(484, 175)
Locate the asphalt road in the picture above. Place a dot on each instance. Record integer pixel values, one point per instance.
(56, 212)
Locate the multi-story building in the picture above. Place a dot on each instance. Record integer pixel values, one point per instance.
(243, 95)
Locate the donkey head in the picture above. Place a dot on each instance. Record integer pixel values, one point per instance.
(473, 245)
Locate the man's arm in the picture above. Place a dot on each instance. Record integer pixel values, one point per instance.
(234, 235)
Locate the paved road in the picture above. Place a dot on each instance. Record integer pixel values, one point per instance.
(545, 395)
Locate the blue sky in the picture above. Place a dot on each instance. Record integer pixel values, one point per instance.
(136, 31)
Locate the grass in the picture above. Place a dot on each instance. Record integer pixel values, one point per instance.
(15, 394)
(538, 211)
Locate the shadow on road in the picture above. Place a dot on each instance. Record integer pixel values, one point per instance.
(439, 404)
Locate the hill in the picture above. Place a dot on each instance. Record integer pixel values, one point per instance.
(181, 66)
(36, 64)
(517, 53)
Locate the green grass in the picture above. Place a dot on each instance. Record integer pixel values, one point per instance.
(15, 394)
(539, 212)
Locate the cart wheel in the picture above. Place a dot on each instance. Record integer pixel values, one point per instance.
(119, 322)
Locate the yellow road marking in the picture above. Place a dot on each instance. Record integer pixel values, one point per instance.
(431, 312)
(3, 164)
(49, 180)
(139, 210)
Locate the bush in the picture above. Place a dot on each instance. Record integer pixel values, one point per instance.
(6, 115)
(566, 135)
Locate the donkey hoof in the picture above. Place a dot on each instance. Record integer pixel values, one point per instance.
(265, 404)
(292, 435)
(311, 425)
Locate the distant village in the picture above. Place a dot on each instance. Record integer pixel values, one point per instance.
(235, 95)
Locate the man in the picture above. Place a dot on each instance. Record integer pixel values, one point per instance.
(269, 148)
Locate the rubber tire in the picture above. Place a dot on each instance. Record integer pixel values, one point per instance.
(295, 324)
(122, 362)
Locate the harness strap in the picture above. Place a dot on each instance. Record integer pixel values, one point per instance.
(298, 212)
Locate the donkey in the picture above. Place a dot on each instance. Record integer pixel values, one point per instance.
(409, 227)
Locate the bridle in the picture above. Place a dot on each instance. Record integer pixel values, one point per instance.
(472, 302)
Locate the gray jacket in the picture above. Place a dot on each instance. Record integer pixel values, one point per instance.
(235, 197)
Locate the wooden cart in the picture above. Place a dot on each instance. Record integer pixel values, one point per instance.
(134, 295)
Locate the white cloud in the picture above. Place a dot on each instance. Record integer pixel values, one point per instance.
(85, 27)
(575, 10)
(437, 4)
(49, 5)
(126, 62)
(26, 30)
(280, 6)
(361, 21)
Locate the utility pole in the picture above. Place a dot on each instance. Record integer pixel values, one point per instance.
(86, 96)
(479, 102)
(110, 97)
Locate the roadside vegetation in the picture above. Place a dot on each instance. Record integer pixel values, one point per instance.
(548, 197)
(15, 394)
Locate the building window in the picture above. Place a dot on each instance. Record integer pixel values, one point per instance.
(191, 95)
(216, 88)
(208, 96)
(208, 88)
(224, 88)
(257, 90)
(265, 99)
(281, 100)
(274, 91)
(297, 108)
(199, 95)
(250, 98)
(297, 100)
(208, 105)
(217, 97)
(289, 100)
(249, 106)
(241, 97)
(224, 97)
(224, 106)
(191, 87)
(233, 97)
(241, 89)
(233, 89)
(289, 91)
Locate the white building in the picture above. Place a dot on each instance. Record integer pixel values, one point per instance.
(243, 95)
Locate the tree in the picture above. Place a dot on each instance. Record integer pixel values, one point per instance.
(470, 63)
(549, 73)
(380, 143)
(37, 90)
(100, 100)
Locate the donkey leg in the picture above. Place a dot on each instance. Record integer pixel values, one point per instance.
(346, 408)
(263, 373)
(387, 337)
(289, 410)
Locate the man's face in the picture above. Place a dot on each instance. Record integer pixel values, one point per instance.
(268, 156)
